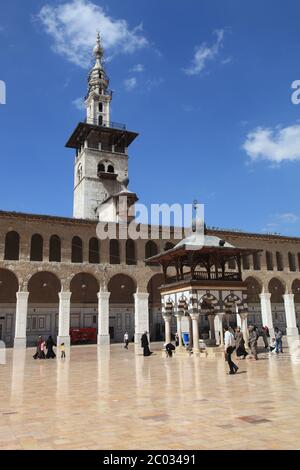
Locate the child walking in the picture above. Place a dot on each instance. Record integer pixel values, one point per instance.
(62, 351)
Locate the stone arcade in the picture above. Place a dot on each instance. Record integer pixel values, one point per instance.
(56, 274)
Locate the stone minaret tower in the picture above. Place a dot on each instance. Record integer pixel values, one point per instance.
(101, 162)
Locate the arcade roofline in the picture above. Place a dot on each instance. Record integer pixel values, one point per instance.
(73, 221)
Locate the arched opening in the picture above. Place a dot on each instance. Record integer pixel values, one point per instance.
(269, 261)
(110, 169)
(9, 287)
(84, 308)
(254, 289)
(277, 290)
(55, 249)
(100, 120)
(114, 252)
(43, 304)
(279, 261)
(157, 325)
(256, 262)
(101, 168)
(246, 262)
(36, 248)
(12, 246)
(100, 107)
(296, 292)
(94, 251)
(292, 261)
(130, 252)
(150, 249)
(77, 250)
(121, 310)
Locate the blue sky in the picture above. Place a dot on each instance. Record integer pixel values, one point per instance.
(206, 83)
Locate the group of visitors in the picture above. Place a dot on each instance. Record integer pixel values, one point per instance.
(44, 349)
(234, 341)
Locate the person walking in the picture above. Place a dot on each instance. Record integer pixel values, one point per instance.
(176, 339)
(126, 340)
(265, 337)
(253, 336)
(229, 348)
(49, 345)
(62, 351)
(170, 348)
(240, 344)
(278, 339)
(40, 349)
(145, 344)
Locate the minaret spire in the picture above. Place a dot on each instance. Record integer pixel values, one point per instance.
(99, 96)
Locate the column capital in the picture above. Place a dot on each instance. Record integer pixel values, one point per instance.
(167, 318)
(265, 296)
(103, 295)
(65, 295)
(289, 296)
(22, 294)
(141, 295)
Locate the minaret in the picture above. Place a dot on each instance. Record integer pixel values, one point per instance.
(101, 162)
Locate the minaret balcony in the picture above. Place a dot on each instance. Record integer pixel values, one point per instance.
(111, 125)
(106, 175)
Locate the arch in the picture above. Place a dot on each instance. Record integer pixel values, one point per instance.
(43, 287)
(12, 246)
(122, 287)
(277, 289)
(292, 261)
(269, 261)
(254, 288)
(231, 302)
(208, 302)
(168, 246)
(84, 288)
(77, 250)
(110, 169)
(36, 247)
(94, 251)
(153, 289)
(296, 290)
(55, 249)
(279, 261)
(9, 286)
(130, 252)
(114, 251)
(150, 249)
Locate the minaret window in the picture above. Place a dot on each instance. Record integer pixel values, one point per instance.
(100, 107)
(101, 168)
(100, 120)
(110, 169)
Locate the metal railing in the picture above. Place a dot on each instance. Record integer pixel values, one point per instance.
(203, 276)
(111, 125)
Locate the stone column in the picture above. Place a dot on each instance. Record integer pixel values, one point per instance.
(141, 315)
(21, 319)
(220, 317)
(195, 319)
(179, 329)
(266, 311)
(290, 315)
(167, 319)
(244, 326)
(217, 330)
(191, 341)
(212, 333)
(103, 338)
(64, 318)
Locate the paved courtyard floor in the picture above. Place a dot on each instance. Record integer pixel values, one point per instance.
(116, 399)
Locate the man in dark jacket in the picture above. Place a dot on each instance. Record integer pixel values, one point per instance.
(145, 344)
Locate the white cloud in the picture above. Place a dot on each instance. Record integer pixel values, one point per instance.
(138, 68)
(204, 54)
(130, 83)
(288, 217)
(275, 145)
(79, 103)
(153, 83)
(73, 25)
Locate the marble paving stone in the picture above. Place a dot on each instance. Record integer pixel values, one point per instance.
(118, 400)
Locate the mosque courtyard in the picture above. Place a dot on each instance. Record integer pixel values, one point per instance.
(110, 398)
